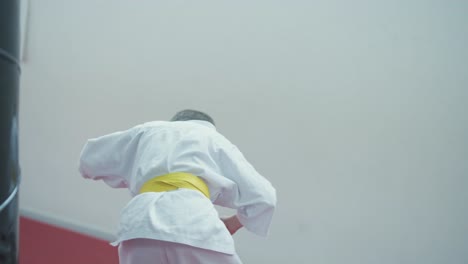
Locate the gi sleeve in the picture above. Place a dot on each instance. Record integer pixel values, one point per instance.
(109, 158)
(252, 195)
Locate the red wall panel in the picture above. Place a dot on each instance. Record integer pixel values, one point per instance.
(41, 243)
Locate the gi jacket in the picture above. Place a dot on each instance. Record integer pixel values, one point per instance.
(128, 159)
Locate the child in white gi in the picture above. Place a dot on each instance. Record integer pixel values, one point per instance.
(176, 170)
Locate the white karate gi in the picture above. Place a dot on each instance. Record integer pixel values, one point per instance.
(129, 158)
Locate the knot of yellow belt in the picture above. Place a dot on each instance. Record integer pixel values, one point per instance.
(174, 181)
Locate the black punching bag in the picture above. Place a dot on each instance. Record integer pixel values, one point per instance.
(9, 168)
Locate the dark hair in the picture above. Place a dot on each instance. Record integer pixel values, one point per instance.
(189, 114)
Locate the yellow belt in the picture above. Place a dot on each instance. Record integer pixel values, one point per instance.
(174, 181)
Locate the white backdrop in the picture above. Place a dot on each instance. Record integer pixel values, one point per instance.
(356, 111)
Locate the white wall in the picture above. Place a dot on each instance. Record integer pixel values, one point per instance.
(355, 110)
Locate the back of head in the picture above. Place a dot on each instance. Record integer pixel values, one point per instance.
(188, 114)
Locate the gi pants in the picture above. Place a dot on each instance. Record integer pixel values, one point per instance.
(150, 251)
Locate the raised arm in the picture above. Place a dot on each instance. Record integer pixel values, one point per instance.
(109, 157)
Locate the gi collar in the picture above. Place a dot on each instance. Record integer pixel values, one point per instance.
(203, 123)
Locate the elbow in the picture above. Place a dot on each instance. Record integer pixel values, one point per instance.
(270, 198)
(85, 163)
(82, 168)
